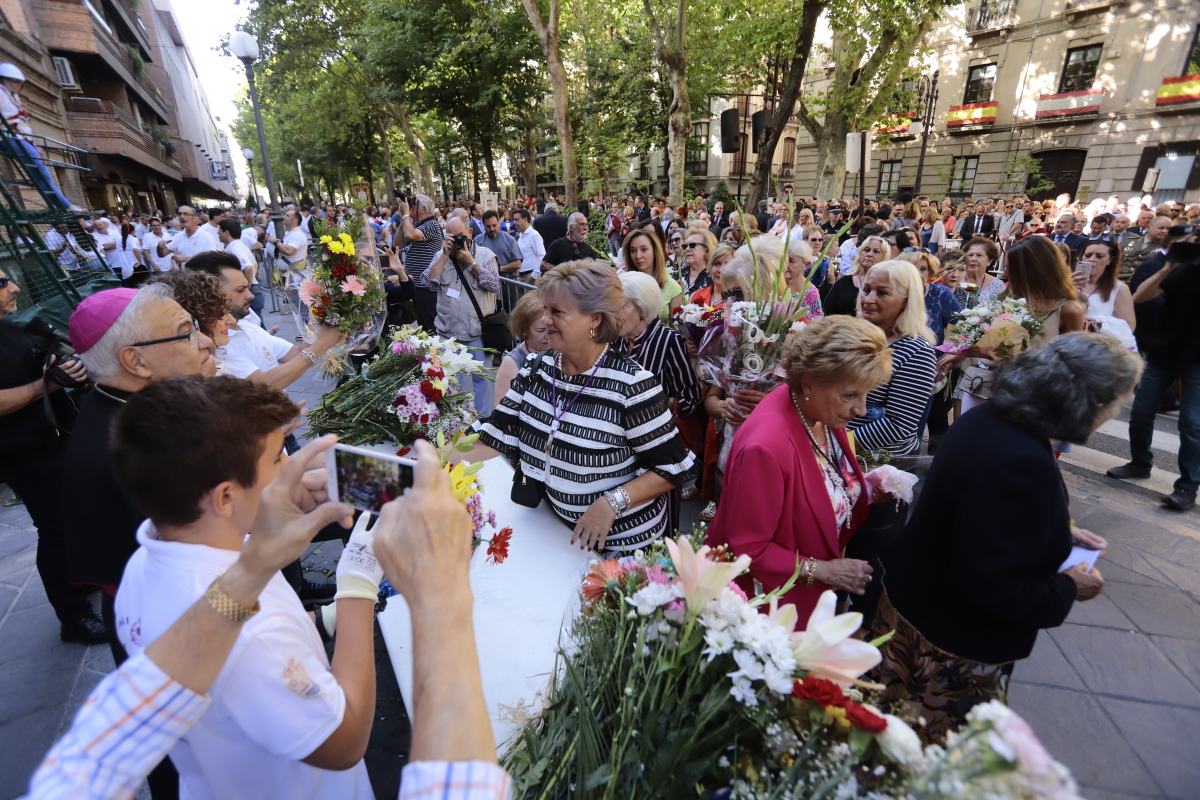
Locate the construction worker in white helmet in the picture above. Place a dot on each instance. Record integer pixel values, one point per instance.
(21, 146)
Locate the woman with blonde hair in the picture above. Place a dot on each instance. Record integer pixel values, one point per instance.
(532, 333)
(843, 296)
(718, 257)
(940, 303)
(642, 251)
(931, 230)
(794, 492)
(585, 427)
(698, 243)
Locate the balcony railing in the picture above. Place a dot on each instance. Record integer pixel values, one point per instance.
(991, 14)
(116, 54)
(106, 128)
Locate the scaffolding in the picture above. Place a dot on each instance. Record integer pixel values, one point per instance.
(53, 278)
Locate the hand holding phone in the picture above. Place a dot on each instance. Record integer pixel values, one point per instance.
(366, 479)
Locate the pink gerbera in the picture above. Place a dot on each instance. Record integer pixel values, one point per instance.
(353, 285)
(309, 291)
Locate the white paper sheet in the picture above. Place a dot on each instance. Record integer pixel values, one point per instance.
(1080, 555)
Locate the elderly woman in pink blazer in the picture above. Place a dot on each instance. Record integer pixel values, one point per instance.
(793, 489)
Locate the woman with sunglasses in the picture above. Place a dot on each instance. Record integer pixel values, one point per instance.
(697, 244)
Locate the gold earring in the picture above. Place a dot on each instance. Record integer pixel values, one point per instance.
(593, 333)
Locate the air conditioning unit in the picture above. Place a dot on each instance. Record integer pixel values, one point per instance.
(65, 73)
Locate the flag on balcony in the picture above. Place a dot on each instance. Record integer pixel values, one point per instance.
(1069, 104)
(896, 123)
(1180, 89)
(972, 114)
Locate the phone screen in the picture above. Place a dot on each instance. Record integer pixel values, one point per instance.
(368, 480)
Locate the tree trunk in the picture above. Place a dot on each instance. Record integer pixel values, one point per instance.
(473, 157)
(831, 157)
(547, 33)
(389, 171)
(531, 165)
(672, 52)
(424, 176)
(760, 181)
(489, 162)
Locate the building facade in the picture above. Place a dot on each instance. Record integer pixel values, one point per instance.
(104, 76)
(1085, 97)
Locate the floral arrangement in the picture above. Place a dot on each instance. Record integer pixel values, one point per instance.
(1001, 328)
(677, 684)
(464, 483)
(411, 390)
(345, 291)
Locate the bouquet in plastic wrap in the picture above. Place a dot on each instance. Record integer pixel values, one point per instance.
(1001, 328)
(345, 291)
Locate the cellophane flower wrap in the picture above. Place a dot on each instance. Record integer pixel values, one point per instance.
(676, 684)
(1002, 328)
(418, 387)
(345, 290)
(745, 350)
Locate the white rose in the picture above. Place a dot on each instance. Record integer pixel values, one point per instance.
(900, 743)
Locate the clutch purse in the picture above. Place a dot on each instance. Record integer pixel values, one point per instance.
(526, 491)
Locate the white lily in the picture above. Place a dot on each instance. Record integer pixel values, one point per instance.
(701, 578)
(825, 647)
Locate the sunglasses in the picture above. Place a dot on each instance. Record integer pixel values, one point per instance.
(5, 281)
(690, 245)
(191, 336)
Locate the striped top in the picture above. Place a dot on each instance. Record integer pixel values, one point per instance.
(895, 408)
(661, 350)
(419, 254)
(617, 429)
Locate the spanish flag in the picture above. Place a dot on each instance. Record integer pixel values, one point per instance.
(1182, 89)
(972, 114)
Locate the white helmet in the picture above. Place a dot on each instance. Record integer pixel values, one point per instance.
(11, 71)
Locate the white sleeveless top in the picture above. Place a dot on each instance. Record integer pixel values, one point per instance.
(1101, 311)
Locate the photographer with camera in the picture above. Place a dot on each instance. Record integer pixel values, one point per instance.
(34, 368)
(1172, 354)
(467, 281)
(422, 236)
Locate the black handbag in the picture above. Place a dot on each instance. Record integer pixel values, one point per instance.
(526, 491)
(494, 327)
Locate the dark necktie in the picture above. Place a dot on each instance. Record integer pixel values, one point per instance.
(978, 224)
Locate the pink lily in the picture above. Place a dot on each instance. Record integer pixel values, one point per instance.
(825, 647)
(702, 579)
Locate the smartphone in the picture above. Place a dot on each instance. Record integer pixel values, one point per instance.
(366, 479)
(1084, 267)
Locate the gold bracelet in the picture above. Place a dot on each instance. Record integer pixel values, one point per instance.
(809, 569)
(226, 606)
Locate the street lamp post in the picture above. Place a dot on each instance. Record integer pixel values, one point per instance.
(248, 154)
(246, 50)
(927, 94)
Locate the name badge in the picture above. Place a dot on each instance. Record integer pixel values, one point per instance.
(453, 294)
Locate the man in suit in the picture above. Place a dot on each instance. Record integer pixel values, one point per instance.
(1062, 233)
(551, 225)
(980, 223)
(719, 221)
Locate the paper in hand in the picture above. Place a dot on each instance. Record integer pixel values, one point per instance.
(1080, 555)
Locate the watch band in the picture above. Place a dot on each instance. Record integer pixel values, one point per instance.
(226, 606)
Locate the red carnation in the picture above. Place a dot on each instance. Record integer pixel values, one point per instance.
(403, 451)
(498, 546)
(399, 401)
(864, 719)
(424, 419)
(821, 691)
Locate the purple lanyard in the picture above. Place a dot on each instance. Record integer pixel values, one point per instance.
(559, 414)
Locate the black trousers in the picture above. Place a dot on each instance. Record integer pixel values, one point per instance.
(425, 302)
(34, 477)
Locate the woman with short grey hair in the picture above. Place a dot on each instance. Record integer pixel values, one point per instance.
(979, 569)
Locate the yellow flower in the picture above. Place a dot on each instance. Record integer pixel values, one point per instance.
(462, 482)
(335, 247)
(326, 239)
(345, 237)
(349, 248)
(836, 716)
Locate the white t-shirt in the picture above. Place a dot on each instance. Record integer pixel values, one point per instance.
(250, 235)
(251, 350)
(244, 256)
(199, 242)
(109, 255)
(124, 257)
(150, 248)
(297, 265)
(275, 700)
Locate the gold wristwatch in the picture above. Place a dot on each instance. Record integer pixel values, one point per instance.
(226, 606)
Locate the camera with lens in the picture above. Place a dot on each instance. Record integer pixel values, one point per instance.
(459, 241)
(56, 350)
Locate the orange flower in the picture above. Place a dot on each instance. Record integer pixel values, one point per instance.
(595, 583)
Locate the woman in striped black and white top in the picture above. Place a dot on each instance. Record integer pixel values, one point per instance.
(589, 422)
(893, 299)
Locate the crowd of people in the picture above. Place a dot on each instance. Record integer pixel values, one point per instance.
(143, 484)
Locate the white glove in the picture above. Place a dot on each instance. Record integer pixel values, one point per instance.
(358, 571)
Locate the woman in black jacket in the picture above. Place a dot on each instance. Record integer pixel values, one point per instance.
(975, 574)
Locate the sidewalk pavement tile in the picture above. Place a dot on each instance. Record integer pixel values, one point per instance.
(1115, 573)
(1186, 578)
(33, 595)
(7, 595)
(1157, 609)
(1183, 653)
(1124, 663)
(1100, 611)
(1047, 665)
(1159, 735)
(1101, 758)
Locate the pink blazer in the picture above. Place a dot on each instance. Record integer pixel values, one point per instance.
(774, 506)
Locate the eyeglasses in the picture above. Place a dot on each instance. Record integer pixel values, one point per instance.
(193, 336)
(4, 281)
(690, 245)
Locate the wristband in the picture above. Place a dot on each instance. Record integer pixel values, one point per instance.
(309, 356)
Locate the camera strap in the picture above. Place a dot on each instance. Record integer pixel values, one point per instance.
(470, 294)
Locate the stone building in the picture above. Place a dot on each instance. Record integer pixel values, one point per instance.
(1096, 96)
(106, 76)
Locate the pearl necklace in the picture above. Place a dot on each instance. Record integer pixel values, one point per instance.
(825, 460)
